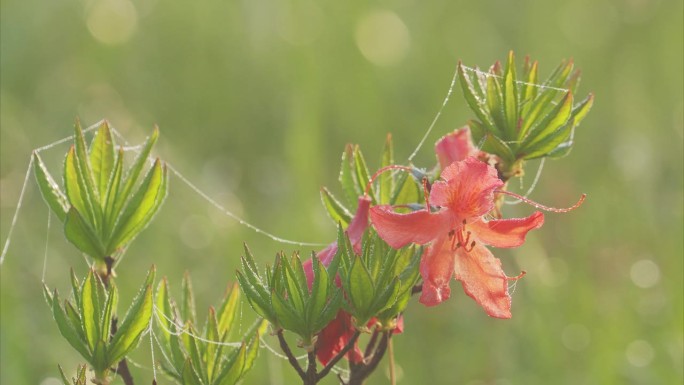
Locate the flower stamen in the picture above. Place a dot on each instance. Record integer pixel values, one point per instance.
(517, 277)
(541, 206)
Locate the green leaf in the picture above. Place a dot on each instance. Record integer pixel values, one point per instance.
(228, 310)
(320, 289)
(109, 310)
(235, 368)
(547, 126)
(74, 190)
(510, 97)
(110, 217)
(67, 330)
(135, 322)
(529, 92)
(286, 315)
(64, 377)
(85, 173)
(102, 159)
(386, 178)
(52, 195)
(260, 305)
(90, 305)
(347, 178)
(163, 308)
(336, 211)
(188, 309)
(135, 170)
(75, 287)
(142, 207)
(495, 104)
(408, 190)
(476, 104)
(362, 174)
(81, 235)
(190, 376)
(212, 334)
(360, 290)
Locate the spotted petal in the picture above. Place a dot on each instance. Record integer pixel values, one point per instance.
(467, 188)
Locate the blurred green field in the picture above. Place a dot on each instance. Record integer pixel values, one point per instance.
(255, 101)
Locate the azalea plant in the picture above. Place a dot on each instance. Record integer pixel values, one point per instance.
(403, 230)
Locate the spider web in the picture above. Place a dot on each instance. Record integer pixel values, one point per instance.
(150, 333)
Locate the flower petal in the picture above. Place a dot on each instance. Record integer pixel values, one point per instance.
(467, 189)
(437, 268)
(484, 280)
(506, 232)
(334, 337)
(455, 146)
(398, 230)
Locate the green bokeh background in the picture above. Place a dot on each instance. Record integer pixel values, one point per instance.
(256, 99)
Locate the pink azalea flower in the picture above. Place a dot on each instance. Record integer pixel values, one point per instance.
(458, 145)
(456, 234)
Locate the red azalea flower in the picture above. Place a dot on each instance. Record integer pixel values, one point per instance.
(456, 235)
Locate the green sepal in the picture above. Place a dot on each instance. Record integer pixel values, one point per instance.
(135, 322)
(52, 195)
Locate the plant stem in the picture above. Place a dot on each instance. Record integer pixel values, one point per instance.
(122, 368)
(290, 356)
(360, 372)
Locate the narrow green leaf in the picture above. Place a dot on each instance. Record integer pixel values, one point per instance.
(299, 274)
(360, 290)
(386, 178)
(295, 295)
(347, 178)
(260, 305)
(74, 317)
(495, 104)
(407, 190)
(330, 310)
(496, 146)
(190, 376)
(73, 189)
(109, 310)
(212, 334)
(52, 195)
(64, 377)
(90, 304)
(102, 159)
(510, 97)
(336, 211)
(477, 105)
(551, 142)
(188, 309)
(228, 310)
(286, 315)
(81, 235)
(47, 294)
(135, 322)
(67, 330)
(547, 126)
(320, 290)
(530, 88)
(85, 172)
(75, 287)
(135, 170)
(110, 217)
(141, 208)
(100, 363)
(235, 369)
(362, 174)
(163, 308)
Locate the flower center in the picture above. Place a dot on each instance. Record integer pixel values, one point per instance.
(460, 237)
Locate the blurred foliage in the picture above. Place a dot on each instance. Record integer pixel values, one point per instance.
(256, 100)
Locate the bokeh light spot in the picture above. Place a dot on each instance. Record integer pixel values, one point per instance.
(576, 337)
(640, 353)
(195, 232)
(112, 21)
(645, 273)
(382, 38)
(51, 381)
